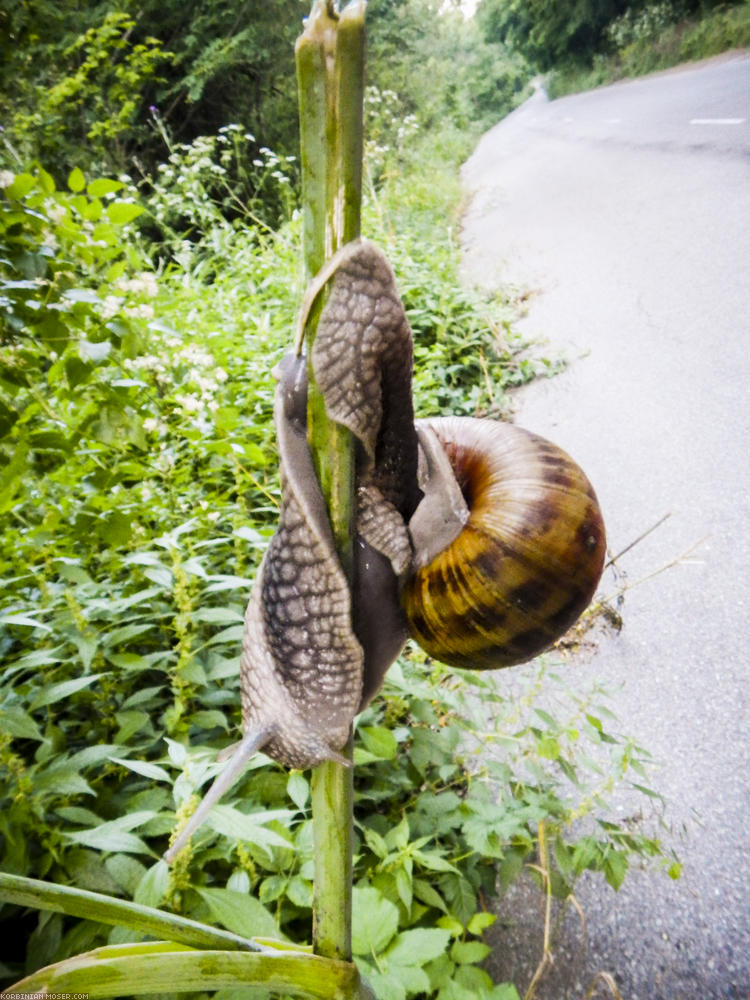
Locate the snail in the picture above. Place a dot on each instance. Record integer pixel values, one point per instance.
(482, 541)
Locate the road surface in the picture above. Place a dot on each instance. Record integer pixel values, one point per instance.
(624, 215)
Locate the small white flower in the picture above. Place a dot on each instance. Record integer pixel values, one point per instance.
(6, 178)
(57, 213)
(142, 311)
(188, 402)
(111, 306)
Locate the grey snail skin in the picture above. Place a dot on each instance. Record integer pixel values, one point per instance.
(478, 539)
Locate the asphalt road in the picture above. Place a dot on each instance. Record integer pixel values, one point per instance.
(624, 214)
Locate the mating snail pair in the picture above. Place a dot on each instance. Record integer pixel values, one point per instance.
(479, 539)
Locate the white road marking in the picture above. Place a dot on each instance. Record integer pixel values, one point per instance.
(717, 121)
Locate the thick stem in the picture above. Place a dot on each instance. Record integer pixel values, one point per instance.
(330, 75)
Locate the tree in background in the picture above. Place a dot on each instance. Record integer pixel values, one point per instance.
(555, 33)
(88, 85)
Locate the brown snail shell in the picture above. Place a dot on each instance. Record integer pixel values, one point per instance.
(526, 562)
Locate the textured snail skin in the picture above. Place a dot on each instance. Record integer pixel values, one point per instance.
(312, 654)
(527, 559)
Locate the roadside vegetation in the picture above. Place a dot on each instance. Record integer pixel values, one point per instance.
(149, 278)
(582, 45)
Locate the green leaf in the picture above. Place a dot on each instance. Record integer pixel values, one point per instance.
(505, 991)
(480, 922)
(114, 836)
(379, 741)
(76, 180)
(298, 789)
(615, 868)
(121, 212)
(300, 892)
(418, 946)
(46, 181)
(238, 912)
(57, 692)
(153, 885)
(404, 887)
(145, 768)
(387, 985)
(469, 952)
(103, 186)
(429, 895)
(374, 921)
(433, 861)
(220, 616)
(63, 781)
(22, 184)
(126, 872)
(17, 723)
(250, 827)
(548, 747)
(22, 619)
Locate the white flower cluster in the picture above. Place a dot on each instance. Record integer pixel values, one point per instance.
(388, 130)
(190, 372)
(144, 283)
(6, 178)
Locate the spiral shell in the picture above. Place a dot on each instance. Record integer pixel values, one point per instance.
(526, 562)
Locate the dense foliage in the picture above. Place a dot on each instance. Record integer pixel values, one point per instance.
(571, 35)
(84, 83)
(139, 324)
(138, 492)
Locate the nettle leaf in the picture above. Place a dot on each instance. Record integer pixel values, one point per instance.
(18, 723)
(109, 840)
(25, 620)
(144, 768)
(374, 921)
(154, 885)
(126, 871)
(63, 781)
(480, 922)
(220, 616)
(239, 912)
(249, 827)
(58, 692)
(114, 836)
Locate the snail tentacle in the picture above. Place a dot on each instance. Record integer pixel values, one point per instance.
(229, 774)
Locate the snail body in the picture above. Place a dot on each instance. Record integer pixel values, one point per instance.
(480, 540)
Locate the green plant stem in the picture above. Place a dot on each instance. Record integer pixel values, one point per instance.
(330, 74)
